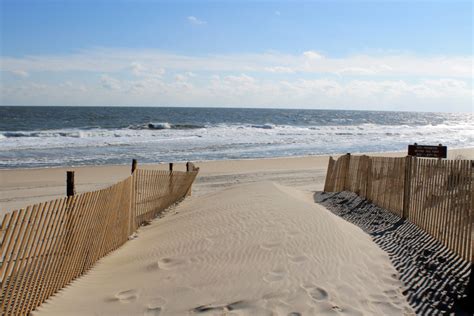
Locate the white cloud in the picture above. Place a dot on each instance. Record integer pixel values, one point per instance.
(443, 94)
(312, 55)
(180, 77)
(110, 83)
(72, 86)
(20, 73)
(280, 69)
(149, 77)
(194, 20)
(356, 71)
(154, 63)
(139, 70)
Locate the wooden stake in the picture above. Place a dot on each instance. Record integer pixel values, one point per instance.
(70, 189)
(346, 172)
(407, 187)
(171, 166)
(134, 165)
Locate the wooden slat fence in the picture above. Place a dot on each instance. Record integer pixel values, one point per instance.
(155, 191)
(337, 174)
(47, 245)
(436, 195)
(385, 183)
(441, 202)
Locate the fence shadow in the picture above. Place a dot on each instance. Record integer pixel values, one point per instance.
(436, 195)
(434, 276)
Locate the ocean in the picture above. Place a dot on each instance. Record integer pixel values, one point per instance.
(33, 137)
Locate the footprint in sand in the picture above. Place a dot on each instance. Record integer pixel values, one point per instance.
(127, 296)
(336, 308)
(298, 259)
(171, 263)
(318, 294)
(152, 267)
(392, 294)
(315, 292)
(270, 245)
(155, 311)
(155, 306)
(274, 276)
(235, 308)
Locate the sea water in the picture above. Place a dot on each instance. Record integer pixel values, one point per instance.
(72, 136)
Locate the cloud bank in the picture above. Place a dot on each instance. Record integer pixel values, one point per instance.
(271, 79)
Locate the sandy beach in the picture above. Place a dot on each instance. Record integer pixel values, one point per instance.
(250, 241)
(258, 158)
(253, 249)
(22, 187)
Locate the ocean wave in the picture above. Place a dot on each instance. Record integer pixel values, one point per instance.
(264, 126)
(221, 140)
(169, 130)
(187, 126)
(165, 125)
(56, 133)
(94, 133)
(76, 134)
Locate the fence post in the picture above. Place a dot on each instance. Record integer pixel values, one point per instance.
(329, 176)
(346, 171)
(171, 166)
(363, 164)
(188, 169)
(70, 188)
(407, 187)
(134, 165)
(368, 185)
(133, 188)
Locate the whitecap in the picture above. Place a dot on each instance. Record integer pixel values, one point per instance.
(163, 125)
(264, 126)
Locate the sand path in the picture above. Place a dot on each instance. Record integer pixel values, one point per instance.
(253, 249)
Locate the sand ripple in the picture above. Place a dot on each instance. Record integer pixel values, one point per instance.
(257, 249)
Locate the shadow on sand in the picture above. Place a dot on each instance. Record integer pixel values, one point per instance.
(435, 278)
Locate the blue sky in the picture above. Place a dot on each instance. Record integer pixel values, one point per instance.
(389, 55)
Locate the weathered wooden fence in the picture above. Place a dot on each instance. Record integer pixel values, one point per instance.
(436, 195)
(47, 245)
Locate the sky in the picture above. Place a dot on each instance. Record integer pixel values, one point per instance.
(365, 55)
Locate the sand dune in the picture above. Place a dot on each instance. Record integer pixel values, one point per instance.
(253, 249)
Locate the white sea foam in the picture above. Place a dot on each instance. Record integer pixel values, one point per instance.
(264, 126)
(164, 125)
(220, 141)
